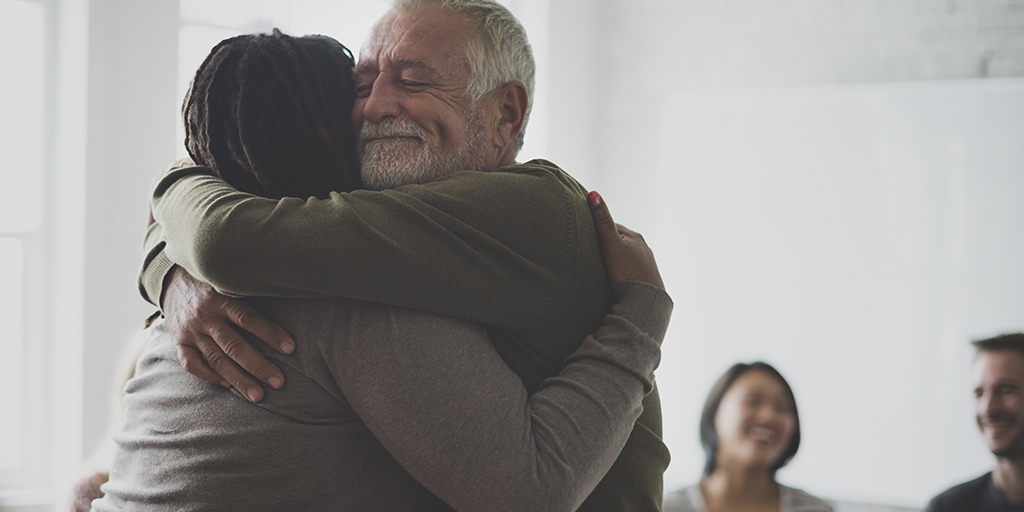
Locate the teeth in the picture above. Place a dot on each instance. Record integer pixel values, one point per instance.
(763, 434)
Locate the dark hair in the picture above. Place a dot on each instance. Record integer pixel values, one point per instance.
(708, 433)
(1012, 341)
(271, 115)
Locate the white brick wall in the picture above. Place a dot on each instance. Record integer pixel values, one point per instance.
(645, 49)
(614, 63)
(752, 43)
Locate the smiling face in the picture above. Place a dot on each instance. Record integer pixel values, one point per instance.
(412, 112)
(999, 405)
(755, 421)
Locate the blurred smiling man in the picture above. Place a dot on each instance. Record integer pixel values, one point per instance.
(998, 378)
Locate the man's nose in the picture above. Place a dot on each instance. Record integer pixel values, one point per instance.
(383, 101)
(986, 405)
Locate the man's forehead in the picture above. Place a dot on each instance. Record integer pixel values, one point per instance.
(427, 38)
(998, 365)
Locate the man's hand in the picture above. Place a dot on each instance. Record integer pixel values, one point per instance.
(205, 326)
(626, 254)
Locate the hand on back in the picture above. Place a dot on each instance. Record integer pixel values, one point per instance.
(207, 325)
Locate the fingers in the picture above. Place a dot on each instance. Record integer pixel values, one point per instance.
(191, 359)
(221, 364)
(242, 354)
(606, 227)
(246, 317)
(627, 233)
(626, 254)
(205, 321)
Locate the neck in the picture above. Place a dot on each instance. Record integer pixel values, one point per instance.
(1009, 478)
(732, 487)
(508, 156)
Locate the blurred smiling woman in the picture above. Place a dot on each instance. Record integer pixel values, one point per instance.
(749, 428)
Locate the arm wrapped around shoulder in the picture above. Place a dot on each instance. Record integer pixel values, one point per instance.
(638, 320)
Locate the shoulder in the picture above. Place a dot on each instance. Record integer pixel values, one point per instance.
(796, 500)
(687, 499)
(534, 190)
(961, 496)
(547, 171)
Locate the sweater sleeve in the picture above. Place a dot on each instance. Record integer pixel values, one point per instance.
(463, 425)
(454, 246)
(155, 265)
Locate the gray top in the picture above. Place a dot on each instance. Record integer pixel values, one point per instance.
(690, 499)
(378, 401)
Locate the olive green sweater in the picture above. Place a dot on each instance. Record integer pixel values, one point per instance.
(515, 250)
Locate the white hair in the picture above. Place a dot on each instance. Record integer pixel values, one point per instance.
(500, 54)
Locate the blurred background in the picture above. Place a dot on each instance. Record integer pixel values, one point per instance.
(832, 186)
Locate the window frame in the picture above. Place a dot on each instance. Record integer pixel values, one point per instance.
(36, 468)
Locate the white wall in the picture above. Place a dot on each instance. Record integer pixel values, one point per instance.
(748, 248)
(132, 70)
(615, 61)
(856, 237)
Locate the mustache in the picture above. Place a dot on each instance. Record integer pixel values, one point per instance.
(388, 128)
(995, 417)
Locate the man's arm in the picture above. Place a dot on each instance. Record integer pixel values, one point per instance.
(499, 248)
(469, 237)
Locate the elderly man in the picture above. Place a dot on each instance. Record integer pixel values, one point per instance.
(999, 410)
(443, 86)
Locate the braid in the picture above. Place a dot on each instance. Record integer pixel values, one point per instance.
(271, 115)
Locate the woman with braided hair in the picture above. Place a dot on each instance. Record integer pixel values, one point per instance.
(270, 114)
(384, 408)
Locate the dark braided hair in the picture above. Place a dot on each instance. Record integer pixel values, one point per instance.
(271, 115)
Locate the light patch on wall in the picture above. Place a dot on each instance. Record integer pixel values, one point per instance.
(11, 410)
(21, 132)
(857, 237)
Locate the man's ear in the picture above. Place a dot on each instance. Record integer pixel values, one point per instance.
(512, 102)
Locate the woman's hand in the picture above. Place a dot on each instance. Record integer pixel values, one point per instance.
(86, 490)
(626, 254)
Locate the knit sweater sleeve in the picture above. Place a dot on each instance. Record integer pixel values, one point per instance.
(449, 247)
(463, 425)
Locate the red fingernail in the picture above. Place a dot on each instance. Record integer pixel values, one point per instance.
(594, 198)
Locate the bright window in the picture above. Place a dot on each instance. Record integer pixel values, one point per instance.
(11, 428)
(22, 238)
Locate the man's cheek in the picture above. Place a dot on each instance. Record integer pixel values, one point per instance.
(357, 115)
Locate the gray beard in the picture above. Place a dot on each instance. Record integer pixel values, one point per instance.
(392, 163)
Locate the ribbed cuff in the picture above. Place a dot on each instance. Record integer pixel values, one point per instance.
(648, 307)
(153, 277)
